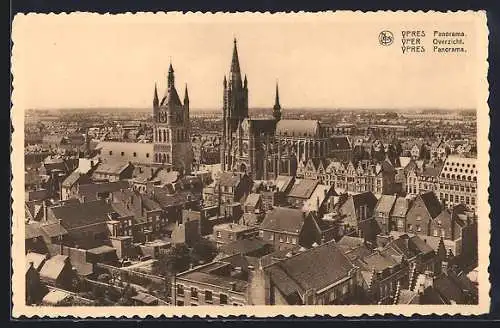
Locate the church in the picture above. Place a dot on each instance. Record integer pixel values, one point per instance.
(264, 148)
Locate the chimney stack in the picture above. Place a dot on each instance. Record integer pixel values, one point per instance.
(45, 210)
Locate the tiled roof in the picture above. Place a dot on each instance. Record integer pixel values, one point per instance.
(315, 268)
(252, 199)
(53, 267)
(378, 262)
(364, 198)
(77, 215)
(71, 179)
(104, 187)
(37, 259)
(112, 167)
(448, 289)
(55, 297)
(283, 182)
(32, 230)
(145, 298)
(53, 230)
(283, 282)
(284, 219)
(229, 179)
(122, 209)
(177, 199)
(401, 207)
(420, 245)
(385, 204)
(432, 171)
(243, 246)
(149, 204)
(317, 197)
(102, 250)
(167, 177)
(432, 203)
(303, 188)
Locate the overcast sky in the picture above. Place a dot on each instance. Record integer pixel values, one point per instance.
(320, 62)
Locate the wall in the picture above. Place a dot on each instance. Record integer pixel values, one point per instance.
(143, 151)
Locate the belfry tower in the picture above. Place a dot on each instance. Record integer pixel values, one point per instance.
(172, 128)
(235, 109)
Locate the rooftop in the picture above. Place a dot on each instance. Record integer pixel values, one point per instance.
(303, 188)
(284, 219)
(316, 268)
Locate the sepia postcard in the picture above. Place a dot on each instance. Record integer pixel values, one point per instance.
(254, 164)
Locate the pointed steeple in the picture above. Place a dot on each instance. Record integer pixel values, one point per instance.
(225, 82)
(186, 96)
(156, 102)
(245, 82)
(235, 64)
(277, 106)
(171, 78)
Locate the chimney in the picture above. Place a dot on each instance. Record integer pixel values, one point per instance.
(233, 286)
(45, 210)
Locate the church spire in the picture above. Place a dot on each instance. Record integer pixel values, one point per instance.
(235, 63)
(171, 78)
(277, 106)
(186, 96)
(156, 101)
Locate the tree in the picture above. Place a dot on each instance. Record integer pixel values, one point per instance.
(203, 251)
(177, 259)
(126, 295)
(98, 295)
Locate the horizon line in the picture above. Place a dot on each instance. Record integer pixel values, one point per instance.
(315, 108)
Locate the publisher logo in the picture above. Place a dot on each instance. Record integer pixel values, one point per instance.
(386, 38)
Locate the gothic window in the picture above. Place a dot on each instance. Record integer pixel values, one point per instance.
(164, 136)
(168, 158)
(163, 160)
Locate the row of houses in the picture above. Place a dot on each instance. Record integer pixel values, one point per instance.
(404, 270)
